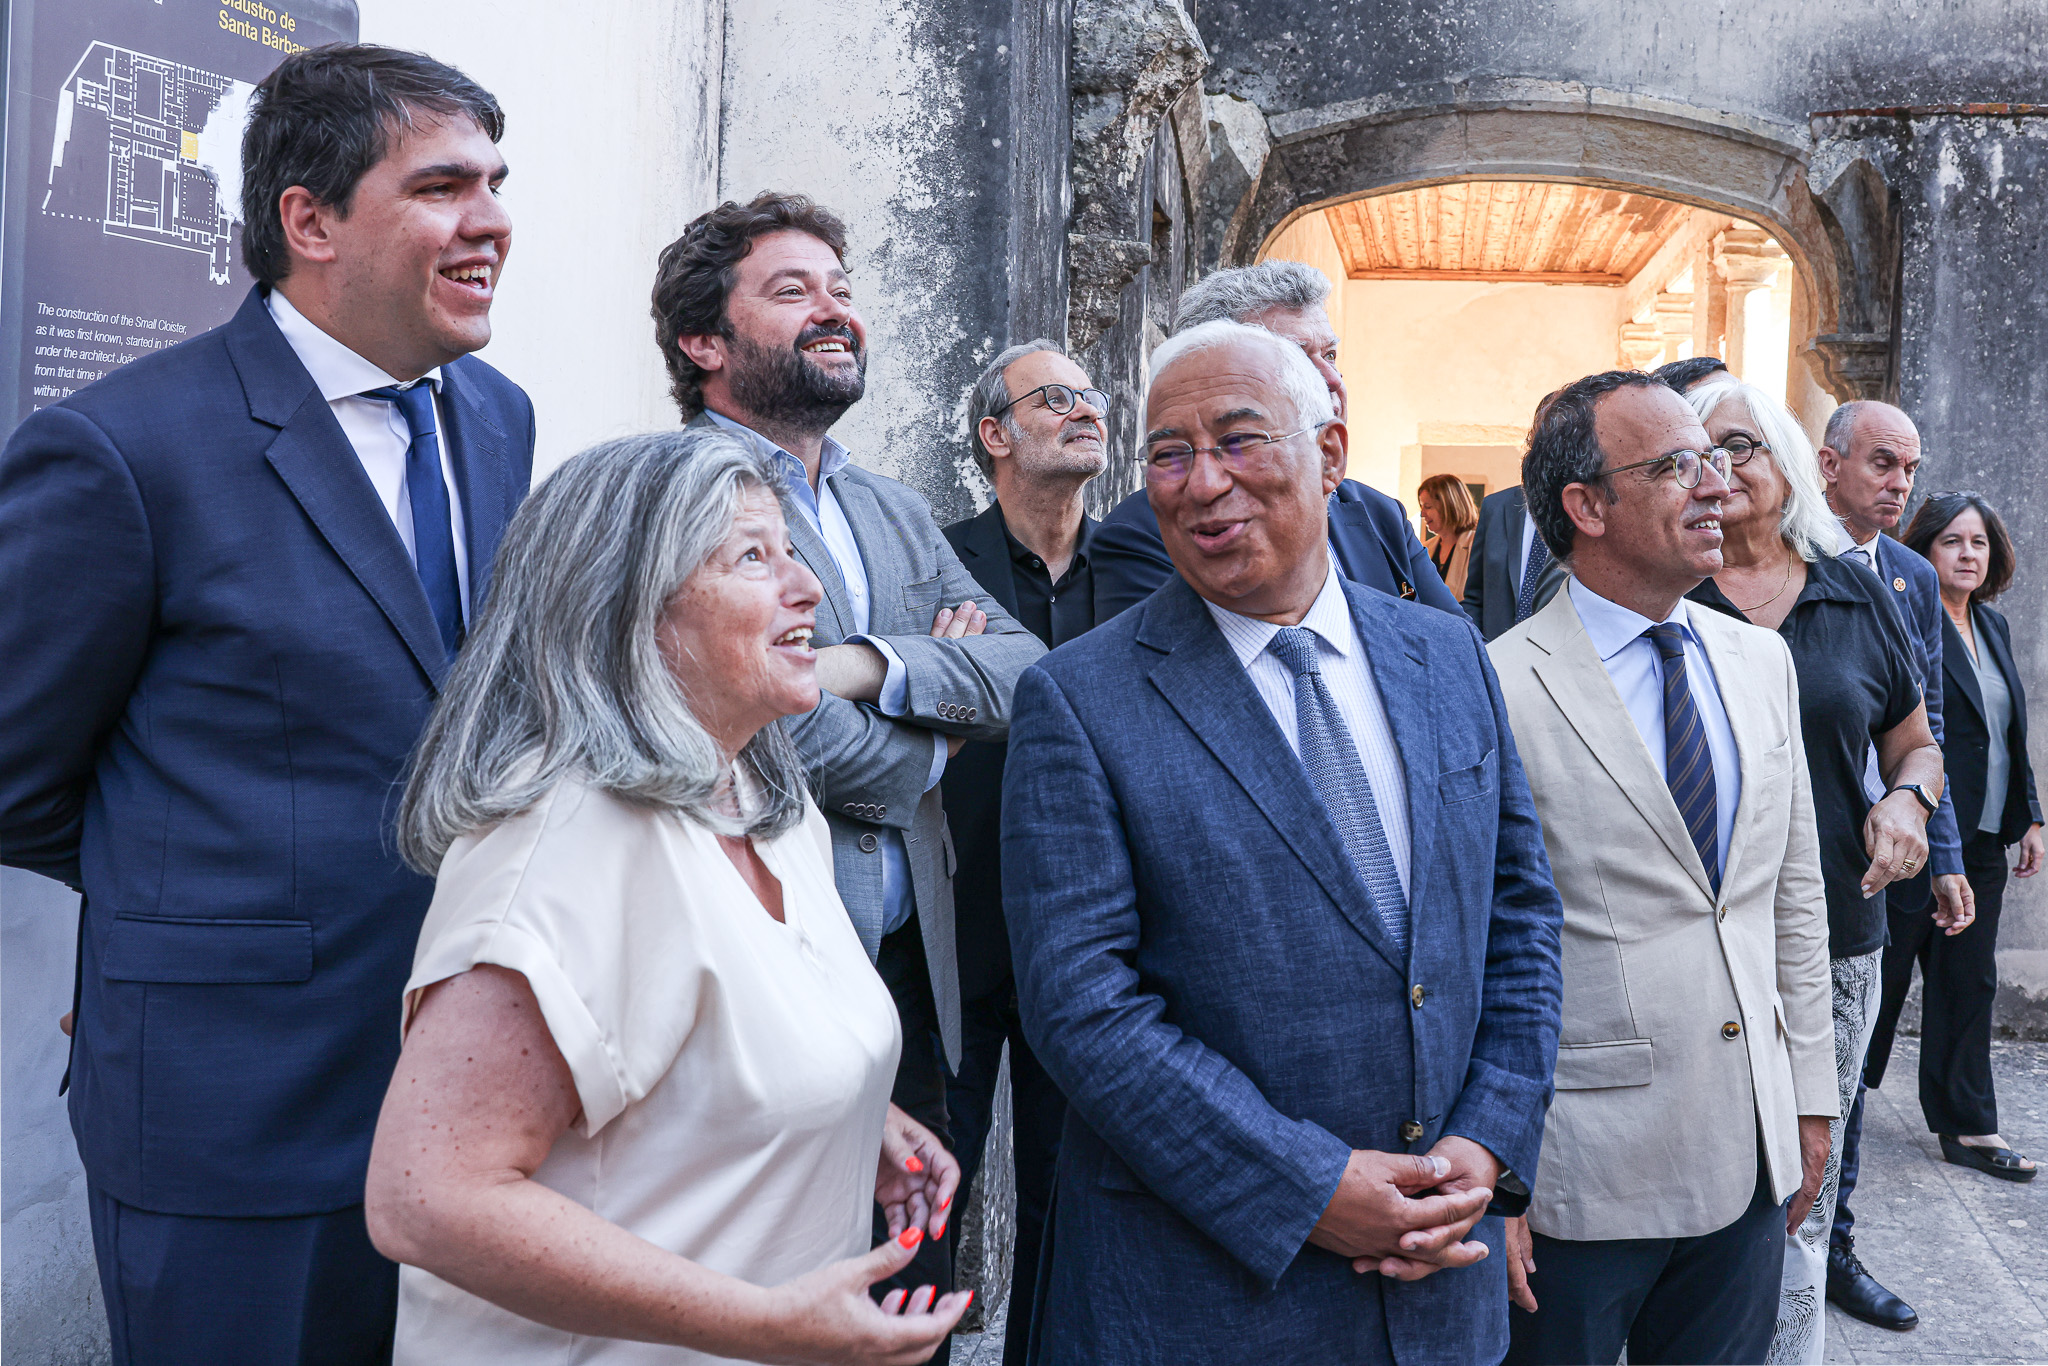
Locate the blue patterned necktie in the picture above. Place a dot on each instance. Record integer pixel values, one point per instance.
(1688, 766)
(1337, 776)
(1532, 578)
(433, 538)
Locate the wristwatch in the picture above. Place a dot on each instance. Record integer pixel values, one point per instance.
(1919, 792)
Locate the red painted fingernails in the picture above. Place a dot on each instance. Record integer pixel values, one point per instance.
(911, 1236)
(970, 1301)
(940, 1232)
(945, 1202)
(913, 1164)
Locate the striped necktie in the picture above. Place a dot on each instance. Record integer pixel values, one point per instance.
(433, 536)
(1338, 777)
(1688, 767)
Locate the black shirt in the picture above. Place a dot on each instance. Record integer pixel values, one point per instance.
(1054, 612)
(1856, 681)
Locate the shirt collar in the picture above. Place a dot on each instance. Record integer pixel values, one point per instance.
(1612, 627)
(1329, 616)
(337, 371)
(1844, 542)
(832, 458)
(1023, 553)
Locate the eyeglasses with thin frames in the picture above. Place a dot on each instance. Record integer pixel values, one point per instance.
(1170, 462)
(1686, 466)
(1060, 398)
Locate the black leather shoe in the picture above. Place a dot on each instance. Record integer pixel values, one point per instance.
(1856, 1292)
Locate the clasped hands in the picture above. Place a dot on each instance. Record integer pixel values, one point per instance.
(1406, 1215)
(857, 671)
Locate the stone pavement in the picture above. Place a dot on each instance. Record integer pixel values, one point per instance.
(1968, 1251)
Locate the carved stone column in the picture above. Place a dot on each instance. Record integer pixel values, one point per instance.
(1674, 324)
(1746, 259)
(1642, 346)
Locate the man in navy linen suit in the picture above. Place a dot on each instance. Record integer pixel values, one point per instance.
(235, 574)
(1371, 537)
(1282, 922)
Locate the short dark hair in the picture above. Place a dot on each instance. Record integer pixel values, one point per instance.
(1942, 508)
(1683, 374)
(697, 271)
(324, 117)
(1564, 451)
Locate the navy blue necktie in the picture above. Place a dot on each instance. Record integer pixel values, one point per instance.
(433, 537)
(1532, 578)
(1688, 766)
(1337, 776)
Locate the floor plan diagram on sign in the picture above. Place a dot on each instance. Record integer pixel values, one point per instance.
(151, 150)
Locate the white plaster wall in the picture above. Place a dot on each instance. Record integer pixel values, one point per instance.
(611, 131)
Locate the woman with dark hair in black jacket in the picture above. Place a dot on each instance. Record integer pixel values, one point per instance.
(1996, 806)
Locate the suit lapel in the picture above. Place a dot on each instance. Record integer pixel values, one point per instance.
(877, 556)
(1578, 683)
(480, 454)
(987, 558)
(314, 459)
(1955, 662)
(1201, 679)
(1400, 669)
(812, 550)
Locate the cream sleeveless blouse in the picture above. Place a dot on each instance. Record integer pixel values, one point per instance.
(734, 1072)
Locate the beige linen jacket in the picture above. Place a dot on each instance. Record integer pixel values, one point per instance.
(1692, 1023)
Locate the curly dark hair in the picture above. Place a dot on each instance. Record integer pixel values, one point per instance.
(696, 273)
(1563, 451)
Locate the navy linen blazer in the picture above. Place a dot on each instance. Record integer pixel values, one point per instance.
(1201, 972)
(1369, 534)
(1916, 592)
(1494, 583)
(218, 658)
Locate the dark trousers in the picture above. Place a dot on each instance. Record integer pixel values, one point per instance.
(1037, 1109)
(184, 1290)
(1704, 1300)
(1959, 981)
(920, 1091)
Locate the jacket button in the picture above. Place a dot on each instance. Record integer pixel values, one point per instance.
(851, 809)
(972, 712)
(868, 843)
(1730, 1030)
(1721, 914)
(881, 811)
(1411, 1131)
(1415, 996)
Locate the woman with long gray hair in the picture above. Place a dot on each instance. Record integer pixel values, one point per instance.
(1858, 690)
(643, 1104)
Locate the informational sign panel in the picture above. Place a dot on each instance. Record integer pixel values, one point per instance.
(122, 224)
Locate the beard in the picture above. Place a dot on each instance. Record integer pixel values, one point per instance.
(788, 389)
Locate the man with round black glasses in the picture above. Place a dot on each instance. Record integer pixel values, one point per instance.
(1036, 427)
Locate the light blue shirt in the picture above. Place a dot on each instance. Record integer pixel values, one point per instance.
(1348, 675)
(820, 507)
(1637, 672)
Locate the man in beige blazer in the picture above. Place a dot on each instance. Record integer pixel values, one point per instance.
(1696, 1072)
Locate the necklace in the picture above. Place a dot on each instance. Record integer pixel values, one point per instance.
(1775, 596)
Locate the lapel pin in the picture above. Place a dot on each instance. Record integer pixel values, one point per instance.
(1899, 585)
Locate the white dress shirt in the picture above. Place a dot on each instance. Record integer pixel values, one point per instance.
(375, 428)
(820, 507)
(1637, 671)
(1348, 674)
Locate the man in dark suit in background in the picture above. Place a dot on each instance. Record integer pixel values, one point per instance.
(1038, 438)
(1291, 1099)
(237, 571)
(1370, 534)
(1513, 575)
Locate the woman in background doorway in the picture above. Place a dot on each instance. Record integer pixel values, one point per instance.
(1993, 787)
(1448, 512)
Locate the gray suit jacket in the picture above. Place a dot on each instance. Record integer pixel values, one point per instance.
(868, 770)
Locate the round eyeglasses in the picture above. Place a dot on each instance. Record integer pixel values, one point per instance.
(1060, 398)
(1686, 466)
(1170, 462)
(1740, 448)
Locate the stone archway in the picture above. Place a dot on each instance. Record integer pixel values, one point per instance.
(1267, 173)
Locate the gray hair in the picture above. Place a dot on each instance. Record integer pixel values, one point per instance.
(563, 676)
(991, 392)
(1806, 523)
(1298, 377)
(1244, 292)
(1841, 428)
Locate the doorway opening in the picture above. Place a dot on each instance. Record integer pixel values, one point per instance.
(1458, 306)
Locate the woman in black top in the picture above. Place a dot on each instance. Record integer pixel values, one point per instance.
(1857, 689)
(1996, 806)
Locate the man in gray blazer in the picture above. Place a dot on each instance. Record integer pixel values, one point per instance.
(755, 318)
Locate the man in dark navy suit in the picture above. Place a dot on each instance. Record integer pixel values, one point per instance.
(1370, 535)
(236, 572)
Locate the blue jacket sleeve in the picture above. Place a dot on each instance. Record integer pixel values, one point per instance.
(1126, 558)
(1944, 842)
(1192, 1126)
(1430, 589)
(75, 624)
(1514, 1051)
